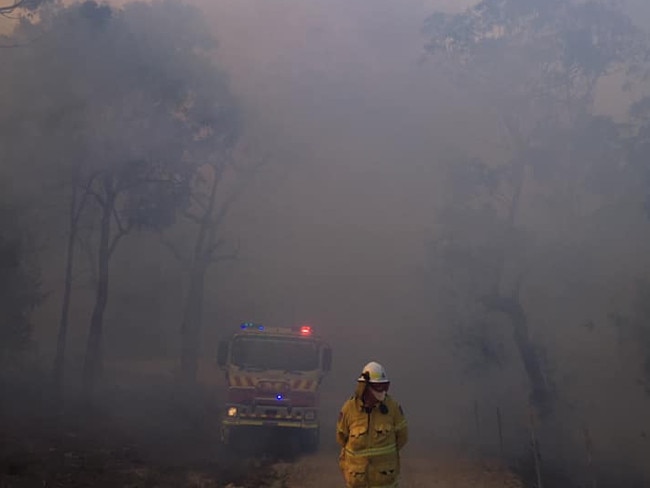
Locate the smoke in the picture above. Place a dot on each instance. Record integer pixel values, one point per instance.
(358, 129)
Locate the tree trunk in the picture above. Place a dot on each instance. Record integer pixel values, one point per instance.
(193, 312)
(191, 326)
(93, 366)
(540, 395)
(59, 361)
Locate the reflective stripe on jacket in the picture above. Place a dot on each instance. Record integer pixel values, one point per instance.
(370, 442)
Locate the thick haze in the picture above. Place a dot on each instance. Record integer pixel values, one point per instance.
(336, 229)
(336, 92)
(339, 98)
(337, 95)
(363, 126)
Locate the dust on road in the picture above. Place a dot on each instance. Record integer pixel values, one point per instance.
(420, 469)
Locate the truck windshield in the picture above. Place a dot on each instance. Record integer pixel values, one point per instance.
(273, 353)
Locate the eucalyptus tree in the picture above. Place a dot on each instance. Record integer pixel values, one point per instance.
(534, 66)
(126, 102)
(221, 180)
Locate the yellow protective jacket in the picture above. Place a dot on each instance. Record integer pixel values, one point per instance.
(371, 441)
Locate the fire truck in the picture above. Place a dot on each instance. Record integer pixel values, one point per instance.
(273, 378)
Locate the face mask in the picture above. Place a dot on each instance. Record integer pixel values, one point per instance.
(379, 395)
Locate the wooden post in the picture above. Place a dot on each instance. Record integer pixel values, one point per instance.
(500, 428)
(535, 448)
(590, 456)
(476, 421)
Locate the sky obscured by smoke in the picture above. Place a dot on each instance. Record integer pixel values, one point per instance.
(357, 125)
(336, 233)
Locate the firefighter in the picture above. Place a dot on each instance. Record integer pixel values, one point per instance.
(371, 430)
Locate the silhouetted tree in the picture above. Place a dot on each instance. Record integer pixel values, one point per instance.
(12, 6)
(20, 287)
(535, 65)
(220, 181)
(122, 112)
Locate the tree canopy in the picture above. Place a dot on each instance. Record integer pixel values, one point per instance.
(534, 66)
(119, 108)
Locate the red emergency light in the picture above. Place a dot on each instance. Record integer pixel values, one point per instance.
(305, 330)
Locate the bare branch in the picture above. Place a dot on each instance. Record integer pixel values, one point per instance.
(232, 256)
(190, 216)
(211, 250)
(7, 9)
(89, 188)
(98, 197)
(80, 207)
(87, 249)
(122, 230)
(117, 238)
(173, 249)
(118, 220)
(501, 198)
(215, 224)
(199, 201)
(232, 198)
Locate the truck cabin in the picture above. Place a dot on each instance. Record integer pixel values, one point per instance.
(261, 349)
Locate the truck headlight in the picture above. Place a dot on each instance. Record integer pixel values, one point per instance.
(310, 415)
(232, 412)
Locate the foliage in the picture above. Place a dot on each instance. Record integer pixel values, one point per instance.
(538, 61)
(119, 108)
(534, 67)
(20, 287)
(126, 104)
(13, 6)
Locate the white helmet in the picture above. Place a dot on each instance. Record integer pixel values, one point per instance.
(374, 373)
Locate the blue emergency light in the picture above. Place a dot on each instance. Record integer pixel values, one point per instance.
(279, 396)
(251, 325)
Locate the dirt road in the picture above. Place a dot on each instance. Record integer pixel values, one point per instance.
(419, 470)
(143, 438)
(94, 460)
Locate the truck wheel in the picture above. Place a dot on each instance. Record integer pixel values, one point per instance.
(310, 440)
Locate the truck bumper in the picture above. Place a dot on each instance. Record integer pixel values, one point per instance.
(256, 422)
(246, 434)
